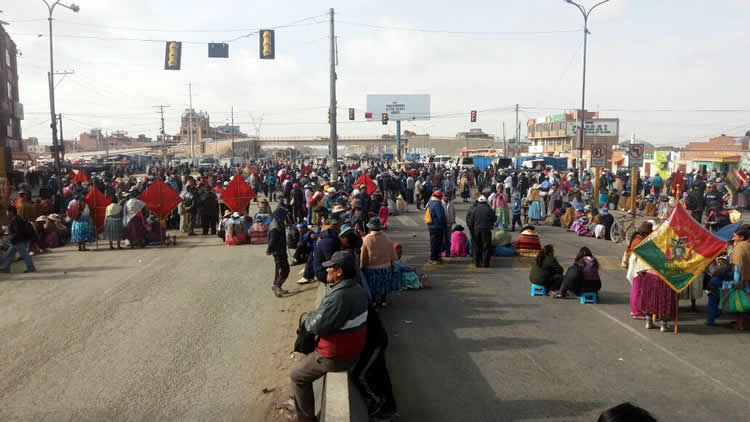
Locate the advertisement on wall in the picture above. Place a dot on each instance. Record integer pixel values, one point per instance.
(661, 159)
(594, 127)
(399, 107)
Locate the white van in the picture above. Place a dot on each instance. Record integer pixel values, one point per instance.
(465, 163)
(443, 160)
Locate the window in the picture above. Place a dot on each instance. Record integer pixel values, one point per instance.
(10, 128)
(7, 56)
(10, 92)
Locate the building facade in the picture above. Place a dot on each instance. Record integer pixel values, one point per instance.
(556, 135)
(11, 109)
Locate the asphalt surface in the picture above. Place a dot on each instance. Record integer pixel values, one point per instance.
(477, 347)
(186, 332)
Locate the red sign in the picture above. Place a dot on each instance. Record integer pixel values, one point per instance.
(160, 198)
(98, 203)
(238, 194)
(364, 179)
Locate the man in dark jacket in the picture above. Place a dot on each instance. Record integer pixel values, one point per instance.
(208, 209)
(436, 227)
(328, 243)
(482, 222)
(277, 249)
(695, 203)
(20, 233)
(340, 326)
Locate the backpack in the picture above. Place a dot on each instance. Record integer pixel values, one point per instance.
(427, 216)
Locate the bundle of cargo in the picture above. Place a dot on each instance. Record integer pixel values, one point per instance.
(737, 180)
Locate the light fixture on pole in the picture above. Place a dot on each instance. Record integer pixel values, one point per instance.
(51, 79)
(580, 132)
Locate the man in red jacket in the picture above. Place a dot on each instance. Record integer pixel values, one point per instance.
(339, 324)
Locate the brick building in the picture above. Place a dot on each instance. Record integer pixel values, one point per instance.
(11, 109)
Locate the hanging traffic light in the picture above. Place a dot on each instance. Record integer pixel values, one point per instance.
(473, 116)
(173, 55)
(385, 118)
(267, 44)
(351, 114)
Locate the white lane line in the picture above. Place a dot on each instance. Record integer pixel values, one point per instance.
(695, 369)
(405, 220)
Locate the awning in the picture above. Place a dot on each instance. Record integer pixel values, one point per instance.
(22, 156)
(713, 159)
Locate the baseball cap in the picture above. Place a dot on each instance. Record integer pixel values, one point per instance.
(482, 199)
(343, 260)
(437, 194)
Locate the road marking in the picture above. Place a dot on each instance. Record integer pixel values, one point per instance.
(405, 220)
(696, 370)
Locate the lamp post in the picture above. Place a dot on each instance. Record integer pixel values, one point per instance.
(51, 80)
(581, 131)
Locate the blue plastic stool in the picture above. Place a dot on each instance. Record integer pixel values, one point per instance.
(538, 290)
(588, 297)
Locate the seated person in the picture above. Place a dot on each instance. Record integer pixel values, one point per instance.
(305, 244)
(404, 276)
(258, 233)
(223, 225)
(458, 241)
(649, 208)
(569, 215)
(581, 225)
(546, 271)
(236, 234)
(528, 243)
(327, 243)
(582, 276)
(604, 228)
(156, 233)
(339, 325)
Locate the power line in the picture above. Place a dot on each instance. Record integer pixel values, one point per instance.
(452, 32)
(647, 110)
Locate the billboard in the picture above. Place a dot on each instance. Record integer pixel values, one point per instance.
(594, 127)
(399, 107)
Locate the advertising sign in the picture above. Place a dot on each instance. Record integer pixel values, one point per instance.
(599, 155)
(662, 166)
(399, 107)
(635, 155)
(594, 127)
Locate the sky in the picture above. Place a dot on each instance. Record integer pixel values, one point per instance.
(672, 71)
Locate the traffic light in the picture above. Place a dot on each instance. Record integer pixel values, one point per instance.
(220, 50)
(385, 118)
(351, 114)
(473, 116)
(173, 55)
(267, 44)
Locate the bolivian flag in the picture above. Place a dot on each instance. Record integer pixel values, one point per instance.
(679, 249)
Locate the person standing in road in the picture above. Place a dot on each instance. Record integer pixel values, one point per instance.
(208, 210)
(277, 249)
(436, 225)
(376, 261)
(450, 221)
(483, 221)
(20, 235)
(410, 185)
(418, 193)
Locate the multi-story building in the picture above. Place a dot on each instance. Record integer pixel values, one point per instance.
(556, 135)
(11, 109)
(201, 125)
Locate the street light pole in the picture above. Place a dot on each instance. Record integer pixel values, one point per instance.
(51, 80)
(581, 130)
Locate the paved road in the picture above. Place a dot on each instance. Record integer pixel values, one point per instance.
(190, 332)
(477, 347)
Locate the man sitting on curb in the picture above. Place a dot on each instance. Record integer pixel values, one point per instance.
(340, 326)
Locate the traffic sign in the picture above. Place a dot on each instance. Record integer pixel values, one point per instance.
(635, 155)
(599, 155)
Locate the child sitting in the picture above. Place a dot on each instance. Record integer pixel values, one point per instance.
(556, 218)
(404, 276)
(384, 215)
(458, 241)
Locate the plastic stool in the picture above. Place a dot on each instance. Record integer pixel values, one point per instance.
(588, 297)
(538, 290)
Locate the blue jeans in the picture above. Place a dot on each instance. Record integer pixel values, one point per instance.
(23, 250)
(714, 310)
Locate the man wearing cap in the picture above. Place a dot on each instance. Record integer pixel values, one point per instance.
(480, 226)
(340, 326)
(436, 226)
(305, 244)
(328, 244)
(277, 249)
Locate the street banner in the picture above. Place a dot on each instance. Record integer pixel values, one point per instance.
(679, 250)
(160, 198)
(635, 155)
(237, 195)
(364, 179)
(98, 202)
(599, 155)
(80, 177)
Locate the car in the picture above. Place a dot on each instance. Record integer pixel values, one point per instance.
(207, 162)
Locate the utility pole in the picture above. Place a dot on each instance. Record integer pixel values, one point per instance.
(62, 138)
(98, 140)
(190, 124)
(163, 135)
(332, 105)
(232, 160)
(505, 150)
(518, 140)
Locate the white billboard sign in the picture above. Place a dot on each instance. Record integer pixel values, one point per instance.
(594, 127)
(398, 107)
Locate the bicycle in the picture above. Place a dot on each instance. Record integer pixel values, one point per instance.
(624, 227)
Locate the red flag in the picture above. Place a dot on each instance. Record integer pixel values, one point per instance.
(364, 179)
(160, 198)
(98, 203)
(238, 194)
(80, 177)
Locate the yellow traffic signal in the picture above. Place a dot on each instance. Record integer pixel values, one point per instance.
(267, 44)
(173, 55)
(473, 116)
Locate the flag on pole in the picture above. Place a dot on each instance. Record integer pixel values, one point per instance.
(98, 203)
(237, 194)
(160, 198)
(679, 250)
(364, 179)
